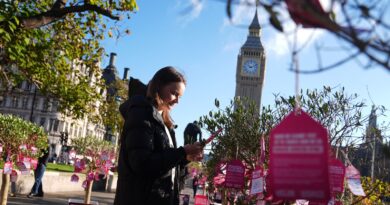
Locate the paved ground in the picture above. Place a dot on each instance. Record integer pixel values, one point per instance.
(62, 198)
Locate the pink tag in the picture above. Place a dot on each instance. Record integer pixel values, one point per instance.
(1, 148)
(299, 154)
(105, 155)
(336, 174)
(257, 182)
(23, 147)
(74, 178)
(34, 163)
(21, 166)
(90, 176)
(235, 171)
(34, 150)
(219, 180)
(79, 166)
(7, 168)
(85, 183)
(72, 154)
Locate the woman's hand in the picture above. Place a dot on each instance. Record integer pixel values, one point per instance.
(194, 151)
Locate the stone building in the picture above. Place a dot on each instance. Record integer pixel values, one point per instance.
(27, 102)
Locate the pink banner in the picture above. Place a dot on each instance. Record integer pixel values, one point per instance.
(235, 171)
(208, 140)
(299, 154)
(262, 150)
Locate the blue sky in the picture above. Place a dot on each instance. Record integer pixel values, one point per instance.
(203, 44)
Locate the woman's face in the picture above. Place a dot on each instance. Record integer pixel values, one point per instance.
(170, 95)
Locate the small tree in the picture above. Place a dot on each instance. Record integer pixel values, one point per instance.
(96, 159)
(21, 142)
(243, 126)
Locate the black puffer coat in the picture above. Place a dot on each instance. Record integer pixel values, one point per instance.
(146, 159)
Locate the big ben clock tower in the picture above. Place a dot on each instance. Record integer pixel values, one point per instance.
(251, 66)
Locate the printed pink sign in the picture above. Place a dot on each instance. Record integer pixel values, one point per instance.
(257, 182)
(201, 200)
(235, 171)
(337, 173)
(299, 153)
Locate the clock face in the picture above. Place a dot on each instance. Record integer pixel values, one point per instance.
(250, 67)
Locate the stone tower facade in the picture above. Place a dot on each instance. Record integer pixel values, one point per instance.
(251, 66)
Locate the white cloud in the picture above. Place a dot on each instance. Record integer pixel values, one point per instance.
(191, 11)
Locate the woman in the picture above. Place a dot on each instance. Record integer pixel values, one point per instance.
(149, 161)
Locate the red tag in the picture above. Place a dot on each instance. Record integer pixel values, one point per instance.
(337, 173)
(235, 171)
(299, 154)
(201, 200)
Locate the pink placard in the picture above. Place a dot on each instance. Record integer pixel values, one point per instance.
(337, 173)
(201, 200)
(257, 182)
(299, 152)
(235, 171)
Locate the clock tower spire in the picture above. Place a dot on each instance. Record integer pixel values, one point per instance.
(251, 65)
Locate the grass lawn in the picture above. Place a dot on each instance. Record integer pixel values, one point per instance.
(59, 167)
(52, 167)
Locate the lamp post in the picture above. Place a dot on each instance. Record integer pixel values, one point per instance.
(33, 104)
(63, 142)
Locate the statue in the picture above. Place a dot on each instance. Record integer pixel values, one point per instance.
(191, 133)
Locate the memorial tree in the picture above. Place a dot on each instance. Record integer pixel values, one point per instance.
(94, 158)
(21, 143)
(244, 128)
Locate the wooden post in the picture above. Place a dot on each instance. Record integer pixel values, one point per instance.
(88, 193)
(4, 188)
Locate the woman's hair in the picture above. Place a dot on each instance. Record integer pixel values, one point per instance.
(162, 78)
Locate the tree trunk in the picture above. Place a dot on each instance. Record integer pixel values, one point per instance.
(88, 192)
(4, 188)
(224, 197)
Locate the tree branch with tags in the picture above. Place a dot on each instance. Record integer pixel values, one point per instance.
(360, 26)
